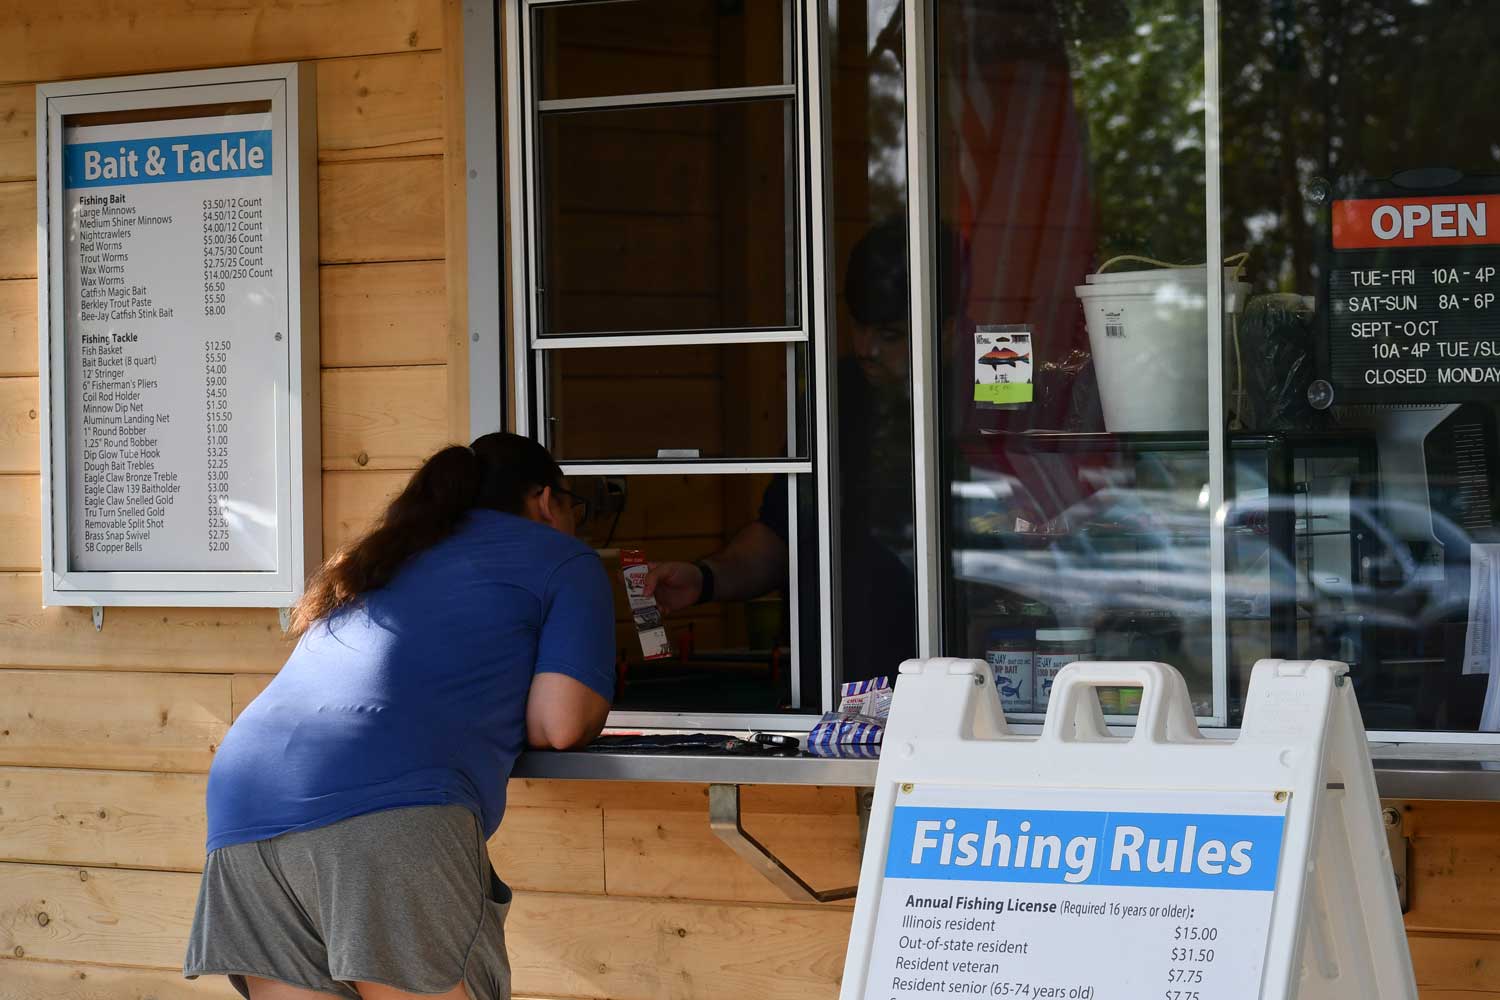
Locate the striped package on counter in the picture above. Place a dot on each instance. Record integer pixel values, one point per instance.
(871, 697)
(858, 727)
(858, 751)
(844, 730)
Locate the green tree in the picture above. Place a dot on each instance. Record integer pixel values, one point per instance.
(1137, 72)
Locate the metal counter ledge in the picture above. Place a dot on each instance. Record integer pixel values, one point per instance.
(1402, 770)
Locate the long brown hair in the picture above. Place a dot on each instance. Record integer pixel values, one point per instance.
(496, 472)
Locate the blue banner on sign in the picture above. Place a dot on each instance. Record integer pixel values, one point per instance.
(217, 156)
(1155, 850)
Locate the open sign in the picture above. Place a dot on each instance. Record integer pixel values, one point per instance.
(1376, 223)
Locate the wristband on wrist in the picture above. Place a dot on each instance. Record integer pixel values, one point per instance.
(706, 591)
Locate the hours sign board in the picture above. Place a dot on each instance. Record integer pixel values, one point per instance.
(1412, 308)
(177, 337)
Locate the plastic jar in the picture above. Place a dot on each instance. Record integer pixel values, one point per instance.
(1011, 654)
(1055, 649)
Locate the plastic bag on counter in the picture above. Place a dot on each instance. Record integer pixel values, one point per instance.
(1270, 362)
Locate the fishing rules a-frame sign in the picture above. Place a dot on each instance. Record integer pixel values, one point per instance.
(1160, 866)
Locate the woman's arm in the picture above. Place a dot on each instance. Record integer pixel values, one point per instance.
(574, 677)
(562, 713)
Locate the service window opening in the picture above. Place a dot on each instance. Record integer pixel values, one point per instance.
(700, 344)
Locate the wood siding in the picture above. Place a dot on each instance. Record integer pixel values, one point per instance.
(106, 737)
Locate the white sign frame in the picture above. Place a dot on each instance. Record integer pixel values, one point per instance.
(291, 90)
(1335, 925)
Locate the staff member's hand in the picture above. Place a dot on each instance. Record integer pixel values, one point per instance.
(675, 585)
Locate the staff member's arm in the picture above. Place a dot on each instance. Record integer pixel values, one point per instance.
(574, 681)
(755, 561)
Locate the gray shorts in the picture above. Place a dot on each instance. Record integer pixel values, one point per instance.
(403, 897)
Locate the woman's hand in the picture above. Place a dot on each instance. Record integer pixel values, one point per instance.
(675, 585)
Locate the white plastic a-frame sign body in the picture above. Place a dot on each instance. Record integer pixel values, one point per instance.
(1160, 866)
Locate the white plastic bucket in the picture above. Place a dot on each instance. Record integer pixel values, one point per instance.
(1148, 333)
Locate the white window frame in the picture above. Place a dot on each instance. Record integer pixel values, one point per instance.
(505, 28)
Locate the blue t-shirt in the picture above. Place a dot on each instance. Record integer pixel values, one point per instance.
(416, 695)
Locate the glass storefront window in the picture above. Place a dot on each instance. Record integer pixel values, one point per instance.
(1358, 175)
(1073, 358)
(871, 370)
(1354, 439)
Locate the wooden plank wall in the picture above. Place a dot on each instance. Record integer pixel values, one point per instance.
(105, 738)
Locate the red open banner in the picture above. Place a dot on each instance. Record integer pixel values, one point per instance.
(1453, 220)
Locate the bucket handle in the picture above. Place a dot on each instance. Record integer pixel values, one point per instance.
(1237, 261)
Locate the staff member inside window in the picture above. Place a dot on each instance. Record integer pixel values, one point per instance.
(878, 587)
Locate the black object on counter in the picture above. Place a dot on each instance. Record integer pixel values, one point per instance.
(698, 743)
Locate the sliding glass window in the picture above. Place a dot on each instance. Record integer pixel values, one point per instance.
(671, 360)
(1071, 317)
(1222, 388)
(1361, 173)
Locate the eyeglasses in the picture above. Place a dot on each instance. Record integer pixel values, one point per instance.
(582, 509)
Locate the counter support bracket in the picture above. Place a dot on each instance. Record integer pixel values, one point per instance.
(724, 820)
(1393, 816)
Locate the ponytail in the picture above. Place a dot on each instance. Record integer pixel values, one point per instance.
(497, 472)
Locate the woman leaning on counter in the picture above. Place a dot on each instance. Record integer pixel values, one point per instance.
(350, 804)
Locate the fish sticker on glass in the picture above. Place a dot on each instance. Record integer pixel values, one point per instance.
(1002, 366)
